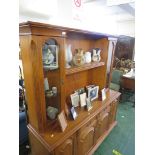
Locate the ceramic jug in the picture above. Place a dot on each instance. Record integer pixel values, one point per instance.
(96, 55)
(87, 56)
(79, 58)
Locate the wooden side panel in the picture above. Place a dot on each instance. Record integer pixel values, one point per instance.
(33, 75)
(31, 47)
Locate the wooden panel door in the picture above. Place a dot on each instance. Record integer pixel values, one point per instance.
(67, 148)
(102, 125)
(113, 110)
(85, 140)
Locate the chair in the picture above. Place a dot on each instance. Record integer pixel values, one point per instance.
(116, 80)
(128, 89)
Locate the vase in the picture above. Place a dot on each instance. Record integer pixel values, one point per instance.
(68, 55)
(79, 58)
(96, 55)
(51, 112)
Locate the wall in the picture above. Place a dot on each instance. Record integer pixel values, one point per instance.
(85, 17)
(126, 28)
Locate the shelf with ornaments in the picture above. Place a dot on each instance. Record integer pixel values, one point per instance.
(83, 61)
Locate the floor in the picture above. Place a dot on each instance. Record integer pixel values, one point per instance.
(121, 141)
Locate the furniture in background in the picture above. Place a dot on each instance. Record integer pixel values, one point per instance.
(128, 86)
(128, 83)
(125, 48)
(84, 134)
(116, 80)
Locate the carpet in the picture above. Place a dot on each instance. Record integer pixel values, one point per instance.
(122, 138)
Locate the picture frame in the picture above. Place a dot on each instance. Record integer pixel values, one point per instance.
(103, 93)
(75, 99)
(89, 104)
(93, 93)
(50, 57)
(83, 99)
(73, 113)
(62, 121)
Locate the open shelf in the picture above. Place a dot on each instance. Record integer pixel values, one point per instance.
(84, 67)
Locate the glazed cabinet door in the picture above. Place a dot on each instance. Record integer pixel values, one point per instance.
(102, 124)
(113, 110)
(85, 140)
(66, 148)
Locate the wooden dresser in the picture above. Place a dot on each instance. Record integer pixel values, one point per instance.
(83, 135)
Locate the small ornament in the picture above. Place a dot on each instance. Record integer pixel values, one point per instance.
(87, 56)
(96, 55)
(79, 59)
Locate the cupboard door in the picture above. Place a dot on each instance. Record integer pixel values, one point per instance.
(102, 125)
(66, 148)
(113, 110)
(85, 140)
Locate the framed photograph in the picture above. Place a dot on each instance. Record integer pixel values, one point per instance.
(83, 99)
(75, 99)
(73, 112)
(93, 93)
(103, 92)
(50, 57)
(89, 104)
(62, 121)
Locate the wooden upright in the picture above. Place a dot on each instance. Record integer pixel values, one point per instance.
(83, 135)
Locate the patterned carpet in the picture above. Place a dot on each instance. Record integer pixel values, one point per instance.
(121, 141)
